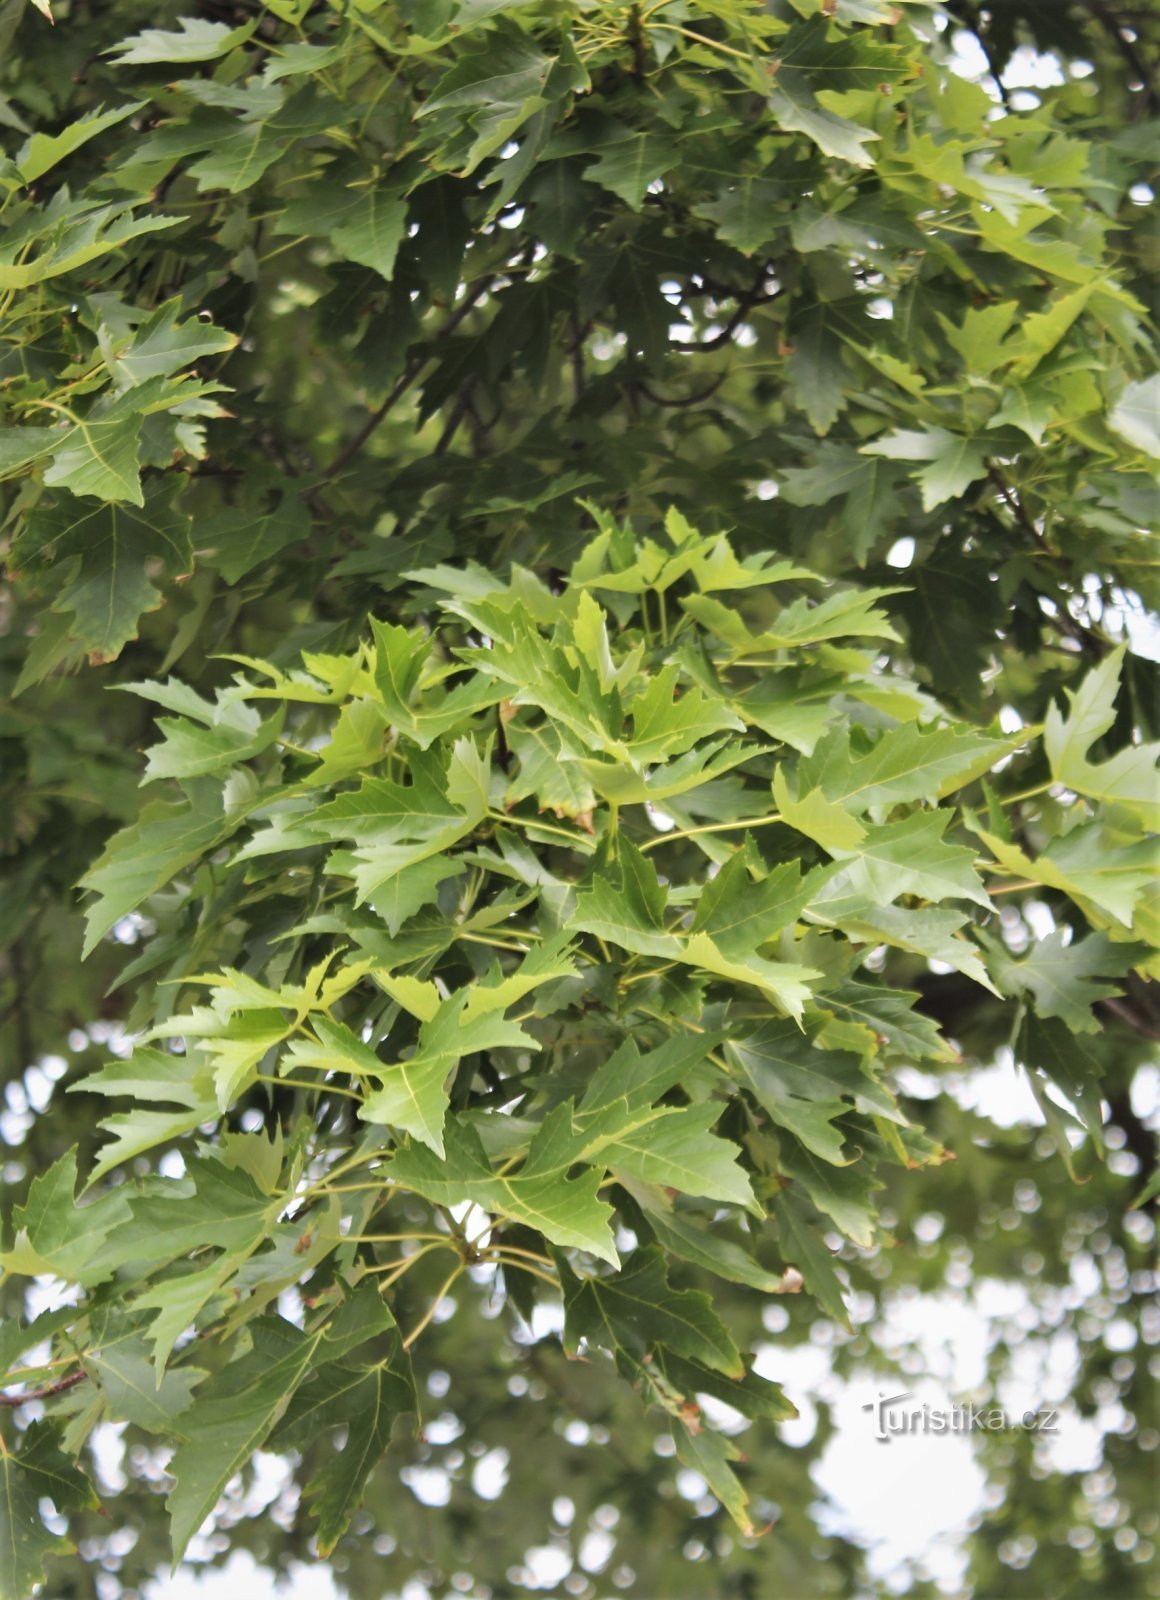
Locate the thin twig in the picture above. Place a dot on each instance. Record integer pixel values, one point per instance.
(59, 1387)
(346, 455)
(433, 1308)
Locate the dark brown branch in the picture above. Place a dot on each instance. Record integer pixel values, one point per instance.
(459, 410)
(576, 355)
(978, 28)
(1137, 1139)
(408, 376)
(59, 1387)
(745, 304)
(689, 400)
(1133, 59)
(1090, 644)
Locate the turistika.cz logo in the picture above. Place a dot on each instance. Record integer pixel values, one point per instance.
(892, 1420)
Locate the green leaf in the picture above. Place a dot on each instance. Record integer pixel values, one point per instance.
(907, 763)
(739, 914)
(630, 165)
(119, 1364)
(785, 983)
(1061, 978)
(163, 345)
(801, 1246)
(1087, 866)
(413, 1097)
(362, 223)
(1127, 779)
(40, 153)
(237, 540)
(782, 1061)
(1136, 416)
(40, 1472)
(710, 1454)
(954, 461)
(226, 1425)
(72, 234)
(825, 821)
(842, 615)
(564, 1210)
(210, 738)
(908, 857)
(196, 40)
(54, 1236)
(746, 213)
(700, 1239)
(336, 1490)
(636, 1310)
(108, 558)
(168, 836)
(625, 903)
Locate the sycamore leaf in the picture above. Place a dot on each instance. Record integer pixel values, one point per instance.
(1049, 1050)
(108, 557)
(41, 1471)
(676, 1151)
(699, 1239)
(195, 40)
(846, 614)
(1136, 416)
(954, 462)
(630, 165)
(637, 1310)
(739, 914)
(710, 1455)
(745, 213)
(1063, 980)
(802, 1247)
(836, 136)
(1087, 866)
(336, 1490)
(785, 983)
(625, 904)
(119, 1363)
(664, 726)
(1129, 778)
(72, 233)
(907, 763)
(41, 152)
(236, 540)
(413, 1096)
(54, 1236)
(783, 1062)
(908, 857)
(163, 345)
(841, 1192)
(540, 1194)
(826, 822)
(226, 1426)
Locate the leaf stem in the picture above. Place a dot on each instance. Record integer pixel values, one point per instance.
(303, 1083)
(510, 819)
(711, 827)
(524, 1266)
(433, 1308)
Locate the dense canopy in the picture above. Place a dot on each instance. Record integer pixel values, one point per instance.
(620, 537)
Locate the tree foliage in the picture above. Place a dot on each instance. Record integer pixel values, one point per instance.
(615, 531)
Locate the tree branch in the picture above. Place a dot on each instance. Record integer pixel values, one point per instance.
(1134, 61)
(59, 1387)
(1090, 644)
(405, 380)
